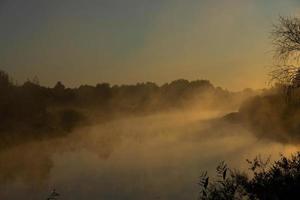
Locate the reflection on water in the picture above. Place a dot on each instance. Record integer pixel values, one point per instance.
(153, 157)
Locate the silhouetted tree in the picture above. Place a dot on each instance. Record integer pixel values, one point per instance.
(286, 40)
(4, 80)
(59, 86)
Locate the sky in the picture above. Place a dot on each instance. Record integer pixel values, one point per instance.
(129, 41)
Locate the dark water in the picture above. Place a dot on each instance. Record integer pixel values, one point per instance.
(153, 157)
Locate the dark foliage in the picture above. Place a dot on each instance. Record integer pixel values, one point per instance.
(31, 111)
(278, 181)
(269, 116)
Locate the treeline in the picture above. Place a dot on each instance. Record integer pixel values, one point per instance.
(270, 116)
(35, 110)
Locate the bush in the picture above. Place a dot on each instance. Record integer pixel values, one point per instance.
(280, 180)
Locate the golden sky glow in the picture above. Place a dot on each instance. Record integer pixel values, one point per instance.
(133, 41)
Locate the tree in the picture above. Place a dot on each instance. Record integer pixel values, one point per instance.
(5, 81)
(286, 40)
(59, 86)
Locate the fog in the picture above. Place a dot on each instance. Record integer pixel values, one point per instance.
(150, 141)
(156, 156)
(140, 141)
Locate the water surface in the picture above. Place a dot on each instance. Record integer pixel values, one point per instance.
(152, 157)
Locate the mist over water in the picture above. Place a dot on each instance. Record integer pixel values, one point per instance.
(158, 156)
(183, 139)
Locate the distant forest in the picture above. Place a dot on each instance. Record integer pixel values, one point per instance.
(36, 111)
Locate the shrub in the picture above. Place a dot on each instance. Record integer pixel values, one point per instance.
(279, 180)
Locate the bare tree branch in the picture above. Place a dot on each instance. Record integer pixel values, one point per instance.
(286, 39)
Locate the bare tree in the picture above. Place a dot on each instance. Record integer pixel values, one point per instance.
(286, 40)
